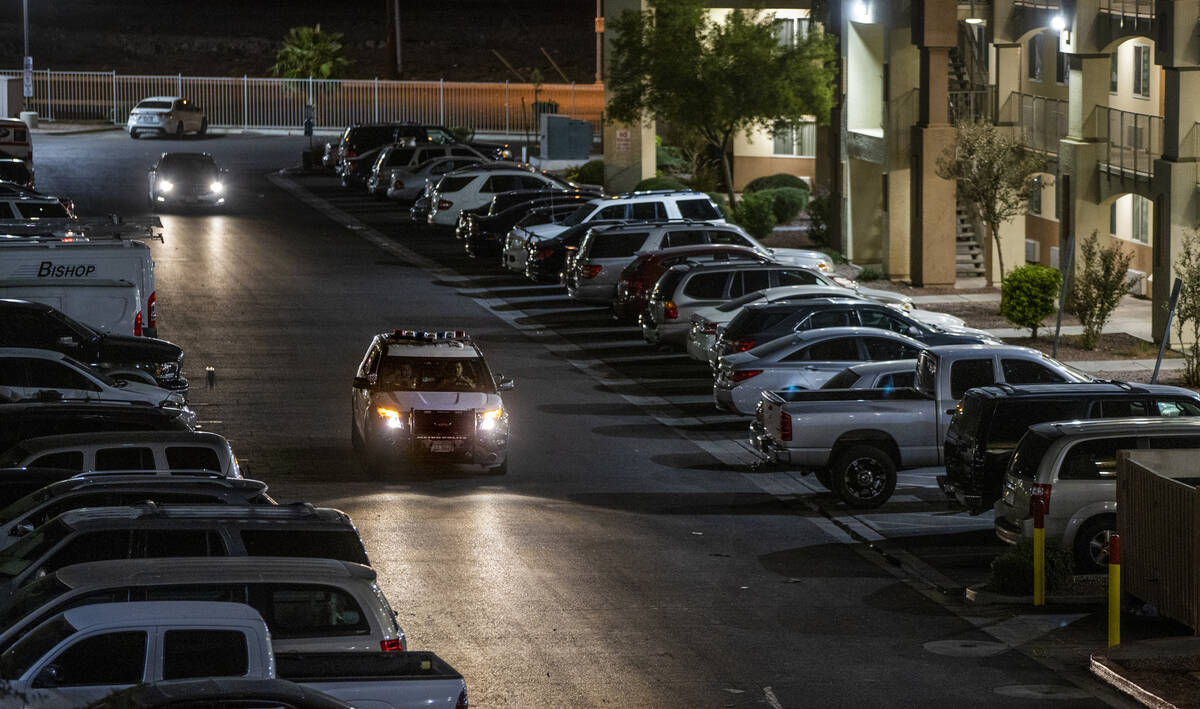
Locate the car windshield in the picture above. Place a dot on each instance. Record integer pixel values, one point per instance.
(1030, 451)
(578, 215)
(33, 647)
(739, 302)
(435, 374)
(31, 598)
(187, 167)
(41, 210)
(93, 372)
(19, 556)
(842, 380)
(20, 507)
(155, 104)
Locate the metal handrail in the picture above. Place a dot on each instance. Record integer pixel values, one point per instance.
(1039, 4)
(1136, 9)
(1133, 141)
(1042, 121)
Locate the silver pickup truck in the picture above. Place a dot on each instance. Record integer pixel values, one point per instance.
(855, 440)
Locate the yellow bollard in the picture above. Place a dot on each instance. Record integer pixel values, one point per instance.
(1114, 590)
(1039, 556)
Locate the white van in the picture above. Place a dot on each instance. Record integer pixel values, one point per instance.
(16, 140)
(107, 283)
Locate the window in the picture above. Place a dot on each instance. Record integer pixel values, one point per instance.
(450, 184)
(72, 502)
(827, 318)
(706, 286)
(697, 209)
(1062, 68)
(1094, 460)
(683, 238)
(401, 157)
(1113, 72)
(880, 349)
(969, 373)
(896, 381)
(66, 460)
(722, 236)
(1112, 218)
(798, 277)
(648, 210)
(751, 281)
(192, 458)
(124, 459)
(1117, 408)
(1141, 70)
(1012, 417)
(1141, 219)
(1034, 50)
(1035, 196)
(55, 375)
(872, 317)
(91, 546)
(501, 183)
(615, 211)
(309, 611)
(108, 659)
(790, 30)
(166, 543)
(28, 330)
(841, 349)
(204, 653)
(795, 139)
(531, 182)
(1019, 371)
(1177, 407)
(221, 593)
(330, 544)
(616, 245)
(1174, 441)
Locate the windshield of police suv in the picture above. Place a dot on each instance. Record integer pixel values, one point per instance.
(435, 374)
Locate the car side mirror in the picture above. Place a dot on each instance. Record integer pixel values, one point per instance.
(68, 341)
(49, 676)
(20, 530)
(503, 383)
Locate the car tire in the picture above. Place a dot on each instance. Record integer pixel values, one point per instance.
(179, 130)
(863, 476)
(203, 127)
(134, 135)
(1091, 553)
(501, 469)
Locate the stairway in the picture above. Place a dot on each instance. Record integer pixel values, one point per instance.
(968, 249)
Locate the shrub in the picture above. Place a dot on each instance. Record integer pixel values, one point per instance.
(786, 202)
(1012, 571)
(462, 134)
(1027, 295)
(771, 182)
(756, 214)
(589, 173)
(668, 158)
(820, 210)
(722, 204)
(661, 183)
(1187, 310)
(1098, 286)
(869, 274)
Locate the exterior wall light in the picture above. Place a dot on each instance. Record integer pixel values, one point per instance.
(862, 11)
(1059, 23)
(974, 18)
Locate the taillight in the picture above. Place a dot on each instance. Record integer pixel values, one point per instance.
(1039, 497)
(785, 426)
(544, 254)
(591, 270)
(393, 645)
(670, 310)
(742, 375)
(137, 324)
(350, 154)
(744, 343)
(444, 204)
(152, 312)
(462, 702)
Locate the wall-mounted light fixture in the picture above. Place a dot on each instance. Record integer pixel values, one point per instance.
(974, 18)
(862, 11)
(1059, 24)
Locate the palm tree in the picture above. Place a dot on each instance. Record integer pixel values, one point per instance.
(308, 51)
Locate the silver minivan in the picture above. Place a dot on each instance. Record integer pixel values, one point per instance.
(310, 605)
(1072, 467)
(127, 451)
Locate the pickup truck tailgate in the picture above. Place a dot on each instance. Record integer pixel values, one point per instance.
(403, 680)
(769, 415)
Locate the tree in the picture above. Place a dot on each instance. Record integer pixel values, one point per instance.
(309, 51)
(1097, 289)
(1187, 310)
(992, 170)
(673, 63)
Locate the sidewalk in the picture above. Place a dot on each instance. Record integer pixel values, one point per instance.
(1163, 673)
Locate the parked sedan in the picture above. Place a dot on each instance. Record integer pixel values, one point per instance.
(166, 115)
(803, 360)
(408, 186)
(29, 374)
(485, 242)
(759, 323)
(187, 178)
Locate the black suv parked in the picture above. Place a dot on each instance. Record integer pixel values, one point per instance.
(990, 420)
(146, 359)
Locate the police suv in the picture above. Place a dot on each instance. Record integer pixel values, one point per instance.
(428, 396)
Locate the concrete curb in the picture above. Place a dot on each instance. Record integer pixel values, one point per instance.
(987, 598)
(74, 131)
(1101, 669)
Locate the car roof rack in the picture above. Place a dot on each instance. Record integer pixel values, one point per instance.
(110, 228)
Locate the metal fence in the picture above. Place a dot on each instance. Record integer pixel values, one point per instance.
(1134, 140)
(250, 102)
(1129, 9)
(1042, 121)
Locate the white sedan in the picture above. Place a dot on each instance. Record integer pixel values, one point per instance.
(32, 374)
(166, 116)
(803, 360)
(407, 186)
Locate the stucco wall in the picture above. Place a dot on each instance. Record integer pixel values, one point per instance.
(747, 168)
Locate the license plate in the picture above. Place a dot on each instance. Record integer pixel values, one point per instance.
(441, 446)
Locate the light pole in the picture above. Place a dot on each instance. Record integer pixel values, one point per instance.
(27, 74)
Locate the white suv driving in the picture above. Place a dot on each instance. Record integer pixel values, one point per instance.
(166, 115)
(428, 396)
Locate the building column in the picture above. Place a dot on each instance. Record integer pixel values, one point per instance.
(1080, 210)
(1007, 70)
(629, 155)
(932, 245)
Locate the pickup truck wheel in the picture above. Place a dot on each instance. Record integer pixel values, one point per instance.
(1091, 544)
(864, 477)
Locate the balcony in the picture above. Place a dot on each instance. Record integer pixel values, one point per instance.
(1136, 10)
(1041, 121)
(1133, 141)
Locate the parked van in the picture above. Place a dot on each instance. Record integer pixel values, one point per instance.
(16, 140)
(149, 530)
(116, 273)
(310, 605)
(127, 450)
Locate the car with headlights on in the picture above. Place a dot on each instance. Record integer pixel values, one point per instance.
(428, 397)
(166, 116)
(187, 179)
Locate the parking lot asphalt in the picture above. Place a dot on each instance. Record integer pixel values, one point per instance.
(633, 555)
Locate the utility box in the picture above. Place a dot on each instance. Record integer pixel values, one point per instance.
(564, 138)
(11, 100)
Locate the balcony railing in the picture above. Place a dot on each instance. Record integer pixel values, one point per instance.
(1129, 9)
(1039, 4)
(1042, 121)
(1133, 140)
(970, 105)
